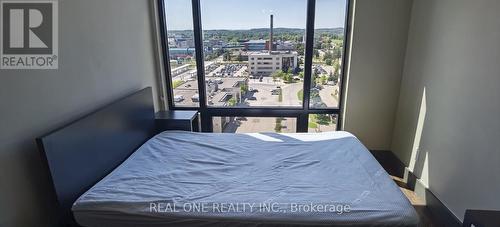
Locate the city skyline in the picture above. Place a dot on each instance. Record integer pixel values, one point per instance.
(254, 14)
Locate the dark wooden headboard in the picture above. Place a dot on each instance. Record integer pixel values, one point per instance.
(81, 153)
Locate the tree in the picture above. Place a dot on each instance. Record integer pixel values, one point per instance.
(316, 53)
(232, 101)
(276, 75)
(324, 79)
(336, 71)
(278, 127)
(323, 119)
(287, 77)
(337, 52)
(328, 61)
(328, 54)
(233, 40)
(244, 88)
(300, 48)
(331, 77)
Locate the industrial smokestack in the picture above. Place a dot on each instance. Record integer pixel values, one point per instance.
(271, 36)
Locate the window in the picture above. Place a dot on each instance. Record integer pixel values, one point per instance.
(268, 65)
(327, 54)
(181, 53)
(254, 15)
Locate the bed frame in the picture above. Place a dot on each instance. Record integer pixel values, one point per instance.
(81, 153)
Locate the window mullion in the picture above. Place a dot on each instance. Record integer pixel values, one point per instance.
(342, 78)
(200, 65)
(311, 7)
(166, 59)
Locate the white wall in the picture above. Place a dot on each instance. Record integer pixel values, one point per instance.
(448, 120)
(379, 38)
(105, 52)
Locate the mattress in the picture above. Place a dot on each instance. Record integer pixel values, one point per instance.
(257, 179)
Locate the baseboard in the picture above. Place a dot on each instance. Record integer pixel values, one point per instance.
(395, 167)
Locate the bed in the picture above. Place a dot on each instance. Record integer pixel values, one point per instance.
(181, 178)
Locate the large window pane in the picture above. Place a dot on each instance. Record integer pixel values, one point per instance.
(243, 67)
(322, 122)
(254, 124)
(327, 53)
(182, 52)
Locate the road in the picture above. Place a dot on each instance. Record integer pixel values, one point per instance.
(290, 97)
(326, 95)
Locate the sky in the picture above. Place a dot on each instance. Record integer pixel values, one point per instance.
(245, 14)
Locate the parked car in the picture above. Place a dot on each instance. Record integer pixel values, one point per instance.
(195, 98)
(252, 98)
(178, 98)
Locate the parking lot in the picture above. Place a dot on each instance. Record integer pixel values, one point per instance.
(228, 70)
(264, 96)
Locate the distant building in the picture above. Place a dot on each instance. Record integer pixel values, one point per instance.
(181, 52)
(184, 42)
(242, 55)
(221, 90)
(265, 63)
(285, 46)
(255, 45)
(171, 42)
(214, 43)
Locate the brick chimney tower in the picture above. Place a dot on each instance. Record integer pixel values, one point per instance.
(271, 36)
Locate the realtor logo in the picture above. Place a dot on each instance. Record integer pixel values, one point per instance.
(29, 34)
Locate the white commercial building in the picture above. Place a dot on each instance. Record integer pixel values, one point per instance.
(265, 63)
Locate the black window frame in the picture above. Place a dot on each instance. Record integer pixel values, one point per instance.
(208, 112)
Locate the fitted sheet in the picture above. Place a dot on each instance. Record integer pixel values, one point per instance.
(182, 178)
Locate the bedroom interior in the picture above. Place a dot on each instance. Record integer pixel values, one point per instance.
(122, 133)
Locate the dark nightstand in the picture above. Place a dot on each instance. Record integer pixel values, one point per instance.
(184, 120)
